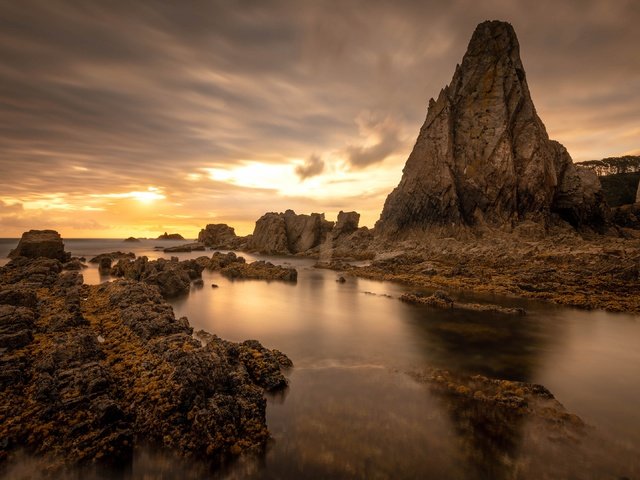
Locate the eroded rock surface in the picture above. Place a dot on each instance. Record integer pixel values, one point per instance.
(221, 236)
(172, 277)
(88, 372)
(41, 243)
(483, 156)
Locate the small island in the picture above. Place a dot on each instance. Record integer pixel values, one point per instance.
(170, 236)
(132, 240)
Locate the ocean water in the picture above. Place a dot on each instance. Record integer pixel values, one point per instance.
(353, 409)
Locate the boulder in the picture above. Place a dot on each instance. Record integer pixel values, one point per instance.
(41, 243)
(270, 235)
(218, 235)
(483, 156)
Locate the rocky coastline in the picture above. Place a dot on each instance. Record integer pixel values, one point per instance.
(91, 372)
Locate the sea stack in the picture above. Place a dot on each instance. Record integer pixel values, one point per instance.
(483, 156)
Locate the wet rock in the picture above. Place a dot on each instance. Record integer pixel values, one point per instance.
(113, 256)
(172, 277)
(483, 156)
(104, 266)
(442, 300)
(41, 243)
(188, 247)
(130, 373)
(341, 280)
(74, 264)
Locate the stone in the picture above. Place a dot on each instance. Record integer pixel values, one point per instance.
(187, 247)
(104, 266)
(170, 236)
(113, 256)
(288, 233)
(41, 243)
(347, 223)
(483, 156)
(91, 392)
(219, 235)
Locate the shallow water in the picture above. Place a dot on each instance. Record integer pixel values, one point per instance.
(353, 412)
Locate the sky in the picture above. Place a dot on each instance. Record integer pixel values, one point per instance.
(125, 118)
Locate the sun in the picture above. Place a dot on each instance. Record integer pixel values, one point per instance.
(148, 196)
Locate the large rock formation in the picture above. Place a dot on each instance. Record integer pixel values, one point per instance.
(170, 236)
(219, 235)
(483, 155)
(41, 243)
(289, 233)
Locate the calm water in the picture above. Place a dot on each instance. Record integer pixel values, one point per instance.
(353, 412)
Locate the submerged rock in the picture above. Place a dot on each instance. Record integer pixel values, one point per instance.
(127, 373)
(41, 243)
(483, 156)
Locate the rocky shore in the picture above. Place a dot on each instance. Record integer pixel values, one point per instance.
(90, 372)
(563, 268)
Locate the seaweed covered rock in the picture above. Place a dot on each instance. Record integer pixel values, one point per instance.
(234, 267)
(41, 243)
(88, 372)
(172, 277)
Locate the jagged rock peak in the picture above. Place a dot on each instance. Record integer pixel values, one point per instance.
(483, 155)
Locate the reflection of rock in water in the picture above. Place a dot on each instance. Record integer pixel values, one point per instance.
(512, 430)
(501, 346)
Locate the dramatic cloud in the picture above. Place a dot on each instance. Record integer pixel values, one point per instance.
(386, 140)
(148, 116)
(314, 165)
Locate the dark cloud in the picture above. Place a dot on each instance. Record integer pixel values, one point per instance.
(313, 166)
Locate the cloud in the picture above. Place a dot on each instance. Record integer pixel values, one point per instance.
(116, 96)
(386, 140)
(313, 166)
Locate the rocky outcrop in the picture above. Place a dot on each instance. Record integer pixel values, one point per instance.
(88, 373)
(220, 236)
(483, 156)
(288, 233)
(443, 301)
(131, 240)
(234, 267)
(41, 243)
(113, 256)
(172, 277)
(170, 236)
(347, 223)
(187, 247)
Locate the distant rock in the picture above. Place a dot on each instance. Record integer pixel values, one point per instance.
(219, 235)
(288, 233)
(170, 236)
(483, 156)
(41, 243)
(131, 239)
(188, 247)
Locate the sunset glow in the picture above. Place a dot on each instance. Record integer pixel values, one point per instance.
(267, 108)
